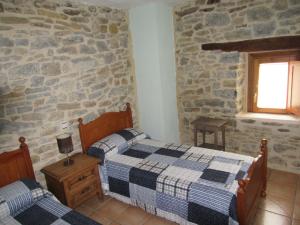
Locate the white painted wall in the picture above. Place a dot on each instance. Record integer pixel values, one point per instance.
(154, 55)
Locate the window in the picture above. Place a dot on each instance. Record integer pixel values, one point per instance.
(274, 82)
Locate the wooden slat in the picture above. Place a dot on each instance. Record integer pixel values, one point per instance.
(265, 44)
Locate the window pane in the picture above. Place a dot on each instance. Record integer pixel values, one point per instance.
(272, 85)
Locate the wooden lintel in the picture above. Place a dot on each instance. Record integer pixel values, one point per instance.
(265, 44)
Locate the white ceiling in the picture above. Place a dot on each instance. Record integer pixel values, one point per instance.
(125, 3)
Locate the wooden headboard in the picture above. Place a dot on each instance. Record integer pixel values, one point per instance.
(15, 165)
(103, 126)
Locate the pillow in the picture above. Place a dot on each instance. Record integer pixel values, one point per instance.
(114, 143)
(18, 195)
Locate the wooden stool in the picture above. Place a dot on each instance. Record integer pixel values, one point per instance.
(209, 125)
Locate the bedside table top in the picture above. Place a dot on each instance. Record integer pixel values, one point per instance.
(60, 172)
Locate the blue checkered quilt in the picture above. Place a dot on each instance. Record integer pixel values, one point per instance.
(187, 184)
(24, 202)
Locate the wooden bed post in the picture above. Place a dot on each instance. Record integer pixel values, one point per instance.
(25, 151)
(104, 125)
(264, 152)
(253, 186)
(81, 133)
(128, 110)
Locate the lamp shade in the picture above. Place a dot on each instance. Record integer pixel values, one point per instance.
(65, 144)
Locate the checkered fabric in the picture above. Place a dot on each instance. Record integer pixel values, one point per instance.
(177, 181)
(173, 186)
(20, 194)
(182, 148)
(26, 203)
(155, 167)
(115, 142)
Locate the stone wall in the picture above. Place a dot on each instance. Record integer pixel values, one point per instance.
(214, 83)
(59, 61)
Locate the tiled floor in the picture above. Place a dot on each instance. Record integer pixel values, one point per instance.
(280, 207)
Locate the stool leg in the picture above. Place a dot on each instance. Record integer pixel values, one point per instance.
(223, 138)
(216, 138)
(195, 138)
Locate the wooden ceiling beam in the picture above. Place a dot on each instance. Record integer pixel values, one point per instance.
(264, 44)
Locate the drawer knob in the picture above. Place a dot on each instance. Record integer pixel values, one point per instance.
(85, 190)
(81, 178)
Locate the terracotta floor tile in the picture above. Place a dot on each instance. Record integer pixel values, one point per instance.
(112, 209)
(269, 171)
(296, 214)
(155, 220)
(84, 210)
(297, 199)
(284, 191)
(267, 218)
(132, 216)
(94, 203)
(280, 206)
(283, 178)
(100, 219)
(276, 204)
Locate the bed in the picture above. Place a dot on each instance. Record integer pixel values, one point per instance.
(24, 201)
(165, 180)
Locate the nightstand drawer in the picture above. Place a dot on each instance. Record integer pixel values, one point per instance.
(84, 193)
(80, 179)
(75, 183)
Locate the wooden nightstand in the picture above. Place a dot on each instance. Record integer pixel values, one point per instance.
(76, 183)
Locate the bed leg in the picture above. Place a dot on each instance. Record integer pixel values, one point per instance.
(264, 152)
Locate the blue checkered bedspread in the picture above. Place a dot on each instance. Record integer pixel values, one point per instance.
(195, 184)
(24, 202)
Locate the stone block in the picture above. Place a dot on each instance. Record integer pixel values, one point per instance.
(68, 106)
(19, 72)
(292, 12)
(113, 28)
(85, 63)
(52, 14)
(43, 42)
(229, 83)
(85, 49)
(13, 20)
(9, 127)
(80, 19)
(280, 4)
(2, 112)
(71, 12)
(37, 81)
(294, 2)
(230, 57)
(279, 148)
(217, 19)
(260, 13)
(24, 109)
(227, 94)
(36, 90)
(264, 29)
(67, 50)
(22, 42)
(187, 11)
(6, 42)
(240, 34)
(51, 69)
(214, 102)
(75, 39)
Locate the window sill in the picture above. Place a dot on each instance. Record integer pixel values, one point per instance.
(290, 119)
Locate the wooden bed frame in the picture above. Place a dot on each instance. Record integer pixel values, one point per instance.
(15, 165)
(249, 191)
